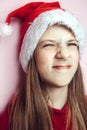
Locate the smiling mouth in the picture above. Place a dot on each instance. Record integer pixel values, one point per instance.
(60, 67)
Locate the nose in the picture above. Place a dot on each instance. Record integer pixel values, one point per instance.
(62, 52)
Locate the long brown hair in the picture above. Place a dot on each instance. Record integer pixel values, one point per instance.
(78, 101)
(30, 111)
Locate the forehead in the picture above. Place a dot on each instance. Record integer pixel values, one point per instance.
(59, 26)
(57, 32)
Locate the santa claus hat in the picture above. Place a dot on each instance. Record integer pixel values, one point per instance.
(36, 17)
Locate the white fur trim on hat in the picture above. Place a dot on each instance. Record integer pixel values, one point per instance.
(5, 29)
(39, 26)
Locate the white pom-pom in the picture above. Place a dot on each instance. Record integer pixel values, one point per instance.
(5, 29)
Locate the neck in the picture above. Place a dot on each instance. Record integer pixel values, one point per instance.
(57, 97)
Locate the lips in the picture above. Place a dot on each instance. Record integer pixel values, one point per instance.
(61, 67)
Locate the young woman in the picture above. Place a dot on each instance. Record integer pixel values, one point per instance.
(52, 96)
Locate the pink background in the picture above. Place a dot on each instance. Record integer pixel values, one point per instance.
(9, 65)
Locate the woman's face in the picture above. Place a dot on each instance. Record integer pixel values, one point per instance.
(57, 56)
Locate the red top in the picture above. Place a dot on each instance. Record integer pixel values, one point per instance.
(59, 118)
(4, 119)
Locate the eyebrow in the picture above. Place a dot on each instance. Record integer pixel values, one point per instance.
(72, 40)
(48, 40)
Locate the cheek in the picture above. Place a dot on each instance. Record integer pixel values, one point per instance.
(75, 57)
(44, 62)
(44, 57)
(41, 64)
(41, 59)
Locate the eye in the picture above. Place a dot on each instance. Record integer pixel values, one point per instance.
(72, 44)
(49, 45)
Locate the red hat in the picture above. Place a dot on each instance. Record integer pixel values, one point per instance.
(36, 17)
